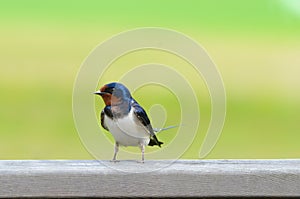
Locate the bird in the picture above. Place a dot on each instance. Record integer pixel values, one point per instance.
(125, 119)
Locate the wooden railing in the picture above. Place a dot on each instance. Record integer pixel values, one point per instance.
(164, 178)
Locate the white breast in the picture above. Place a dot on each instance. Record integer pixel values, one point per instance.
(127, 131)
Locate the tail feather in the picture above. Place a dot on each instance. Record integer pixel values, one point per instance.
(154, 142)
(158, 130)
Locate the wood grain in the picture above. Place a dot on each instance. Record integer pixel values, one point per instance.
(164, 178)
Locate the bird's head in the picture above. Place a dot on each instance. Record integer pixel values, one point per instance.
(114, 93)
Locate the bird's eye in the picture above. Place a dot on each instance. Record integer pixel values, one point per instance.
(110, 90)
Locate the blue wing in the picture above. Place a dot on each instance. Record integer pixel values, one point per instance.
(105, 111)
(141, 115)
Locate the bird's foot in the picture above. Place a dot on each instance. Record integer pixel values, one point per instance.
(140, 161)
(115, 161)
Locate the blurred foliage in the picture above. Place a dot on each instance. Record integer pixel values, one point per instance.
(255, 45)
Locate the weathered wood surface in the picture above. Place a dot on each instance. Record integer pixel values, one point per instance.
(92, 178)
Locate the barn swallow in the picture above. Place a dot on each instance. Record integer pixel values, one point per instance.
(125, 119)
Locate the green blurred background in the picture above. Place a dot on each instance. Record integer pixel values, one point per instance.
(254, 43)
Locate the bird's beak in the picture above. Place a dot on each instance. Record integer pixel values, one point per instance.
(99, 93)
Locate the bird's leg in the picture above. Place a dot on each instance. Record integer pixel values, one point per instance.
(142, 147)
(115, 153)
